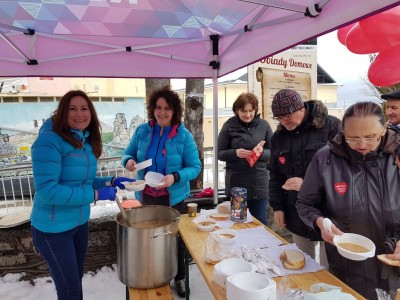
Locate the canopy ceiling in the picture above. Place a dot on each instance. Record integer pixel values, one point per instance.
(160, 38)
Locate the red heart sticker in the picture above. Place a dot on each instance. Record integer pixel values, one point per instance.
(341, 187)
(282, 160)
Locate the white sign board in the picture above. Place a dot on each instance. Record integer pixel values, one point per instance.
(292, 69)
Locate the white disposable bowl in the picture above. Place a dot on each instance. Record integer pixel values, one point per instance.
(250, 281)
(232, 266)
(210, 227)
(154, 179)
(229, 267)
(225, 236)
(135, 186)
(249, 285)
(354, 239)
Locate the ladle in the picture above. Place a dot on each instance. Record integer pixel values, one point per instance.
(123, 213)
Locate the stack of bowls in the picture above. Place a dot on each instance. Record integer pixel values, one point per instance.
(229, 267)
(250, 285)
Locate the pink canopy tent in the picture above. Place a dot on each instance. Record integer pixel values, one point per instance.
(161, 38)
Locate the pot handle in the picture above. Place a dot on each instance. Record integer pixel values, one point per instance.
(160, 234)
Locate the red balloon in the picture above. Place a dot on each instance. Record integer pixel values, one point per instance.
(342, 32)
(385, 69)
(383, 29)
(359, 42)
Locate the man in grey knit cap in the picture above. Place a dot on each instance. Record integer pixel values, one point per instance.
(303, 128)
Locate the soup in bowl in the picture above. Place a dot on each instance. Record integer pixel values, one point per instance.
(354, 246)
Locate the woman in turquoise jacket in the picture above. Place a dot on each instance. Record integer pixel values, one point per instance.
(64, 161)
(166, 141)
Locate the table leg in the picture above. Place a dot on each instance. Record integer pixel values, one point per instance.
(187, 273)
(127, 292)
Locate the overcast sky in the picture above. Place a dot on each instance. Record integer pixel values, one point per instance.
(345, 67)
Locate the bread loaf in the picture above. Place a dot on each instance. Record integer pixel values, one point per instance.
(292, 259)
(387, 261)
(224, 208)
(220, 217)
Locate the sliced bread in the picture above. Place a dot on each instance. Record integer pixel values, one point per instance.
(220, 217)
(293, 259)
(224, 208)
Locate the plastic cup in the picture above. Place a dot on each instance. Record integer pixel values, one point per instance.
(192, 209)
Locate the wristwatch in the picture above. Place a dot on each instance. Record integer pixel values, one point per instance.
(176, 175)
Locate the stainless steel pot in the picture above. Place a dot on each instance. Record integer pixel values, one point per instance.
(147, 257)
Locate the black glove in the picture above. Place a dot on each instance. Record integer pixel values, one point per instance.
(107, 193)
(118, 181)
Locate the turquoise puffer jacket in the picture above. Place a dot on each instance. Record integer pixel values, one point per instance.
(182, 156)
(65, 179)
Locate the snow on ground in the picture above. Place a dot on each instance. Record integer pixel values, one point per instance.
(103, 285)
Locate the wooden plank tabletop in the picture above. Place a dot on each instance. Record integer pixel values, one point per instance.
(195, 243)
(160, 293)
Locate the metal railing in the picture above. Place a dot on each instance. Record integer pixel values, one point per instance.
(17, 188)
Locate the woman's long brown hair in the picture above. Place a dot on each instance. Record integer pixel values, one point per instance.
(60, 122)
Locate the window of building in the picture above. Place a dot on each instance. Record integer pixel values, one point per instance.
(10, 99)
(46, 99)
(29, 99)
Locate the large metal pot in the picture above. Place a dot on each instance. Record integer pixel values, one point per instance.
(147, 253)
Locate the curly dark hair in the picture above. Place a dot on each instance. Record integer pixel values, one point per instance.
(242, 100)
(60, 122)
(171, 98)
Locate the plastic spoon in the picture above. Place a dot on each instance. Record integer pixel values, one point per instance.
(327, 224)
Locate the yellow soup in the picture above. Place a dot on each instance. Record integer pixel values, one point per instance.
(353, 247)
(146, 224)
(227, 235)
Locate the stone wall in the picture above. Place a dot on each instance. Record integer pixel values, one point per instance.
(17, 255)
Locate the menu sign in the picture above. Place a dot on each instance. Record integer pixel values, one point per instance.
(274, 80)
(293, 69)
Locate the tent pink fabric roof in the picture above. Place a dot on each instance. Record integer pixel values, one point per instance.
(160, 38)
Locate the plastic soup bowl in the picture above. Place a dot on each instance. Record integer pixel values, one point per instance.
(206, 225)
(154, 179)
(232, 266)
(358, 240)
(135, 186)
(225, 236)
(249, 285)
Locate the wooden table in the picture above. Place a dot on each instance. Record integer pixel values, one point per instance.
(160, 293)
(195, 244)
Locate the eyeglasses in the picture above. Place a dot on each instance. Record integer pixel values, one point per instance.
(368, 141)
(282, 118)
(360, 140)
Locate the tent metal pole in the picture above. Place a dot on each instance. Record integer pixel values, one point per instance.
(215, 65)
(215, 136)
(14, 46)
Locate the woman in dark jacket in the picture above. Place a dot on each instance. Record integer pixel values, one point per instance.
(355, 182)
(238, 136)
